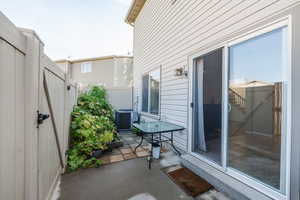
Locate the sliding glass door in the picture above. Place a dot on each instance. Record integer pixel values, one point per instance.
(208, 106)
(240, 109)
(256, 97)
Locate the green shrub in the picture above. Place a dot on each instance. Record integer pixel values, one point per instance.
(92, 128)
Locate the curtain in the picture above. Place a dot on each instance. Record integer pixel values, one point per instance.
(199, 136)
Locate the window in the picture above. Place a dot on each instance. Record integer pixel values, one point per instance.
(86, 67)
(151, 92)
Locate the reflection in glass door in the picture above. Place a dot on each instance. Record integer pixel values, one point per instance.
(207, 119)
(256, 142)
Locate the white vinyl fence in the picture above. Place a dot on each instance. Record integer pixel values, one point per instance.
(120, 98)
(32, 154)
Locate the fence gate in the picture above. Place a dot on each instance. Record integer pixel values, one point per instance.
(51, 128)
(32, 154)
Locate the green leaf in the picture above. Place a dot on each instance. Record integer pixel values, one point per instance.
(92, 128)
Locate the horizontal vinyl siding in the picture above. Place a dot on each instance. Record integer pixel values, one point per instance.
(165, 35)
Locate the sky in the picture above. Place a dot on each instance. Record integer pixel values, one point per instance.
(75, 28)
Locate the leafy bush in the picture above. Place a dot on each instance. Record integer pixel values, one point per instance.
(92, 128)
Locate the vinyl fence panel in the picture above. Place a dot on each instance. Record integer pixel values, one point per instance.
(11, 122)
(30, 165)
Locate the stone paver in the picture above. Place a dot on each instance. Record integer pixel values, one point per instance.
(147, 147)
(129, 156)
(116, 158)
(132, 146)
(163, 150)
(126, 150)
(141, 154)
(138, 149)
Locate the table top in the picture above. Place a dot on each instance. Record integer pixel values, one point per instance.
(157, 127)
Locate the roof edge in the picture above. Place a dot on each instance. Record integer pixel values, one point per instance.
(91, 59)
(134, 10)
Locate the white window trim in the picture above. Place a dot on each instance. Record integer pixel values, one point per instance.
(148, 114)
(84, 69)
(257, 185)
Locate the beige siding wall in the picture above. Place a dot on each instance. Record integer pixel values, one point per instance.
(108, 72)
(102, 73)
(116, 74)
(167, 34)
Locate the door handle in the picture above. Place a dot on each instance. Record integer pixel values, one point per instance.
(229, 107)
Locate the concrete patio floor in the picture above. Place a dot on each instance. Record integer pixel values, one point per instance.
(120, 181)
(128, 180)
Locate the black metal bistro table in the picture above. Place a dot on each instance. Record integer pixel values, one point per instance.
(157, 131)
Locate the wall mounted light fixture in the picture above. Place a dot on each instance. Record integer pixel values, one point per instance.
(181, 71)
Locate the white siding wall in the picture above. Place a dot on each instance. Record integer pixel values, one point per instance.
(167, 34)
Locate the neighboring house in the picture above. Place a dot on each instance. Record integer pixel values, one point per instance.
(115, 73)
(228, 72)
(109, 71)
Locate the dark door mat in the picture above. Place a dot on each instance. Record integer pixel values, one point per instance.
(191, 183)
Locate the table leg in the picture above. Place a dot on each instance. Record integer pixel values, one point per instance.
(160, 140)
(172, 144)
(141, 142)
(151, 152)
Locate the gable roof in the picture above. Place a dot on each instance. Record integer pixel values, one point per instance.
(134, 10)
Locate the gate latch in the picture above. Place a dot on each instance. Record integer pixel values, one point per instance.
(41, 117)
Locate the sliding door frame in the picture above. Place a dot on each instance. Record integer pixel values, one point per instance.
(254, 183)
(193, 65)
